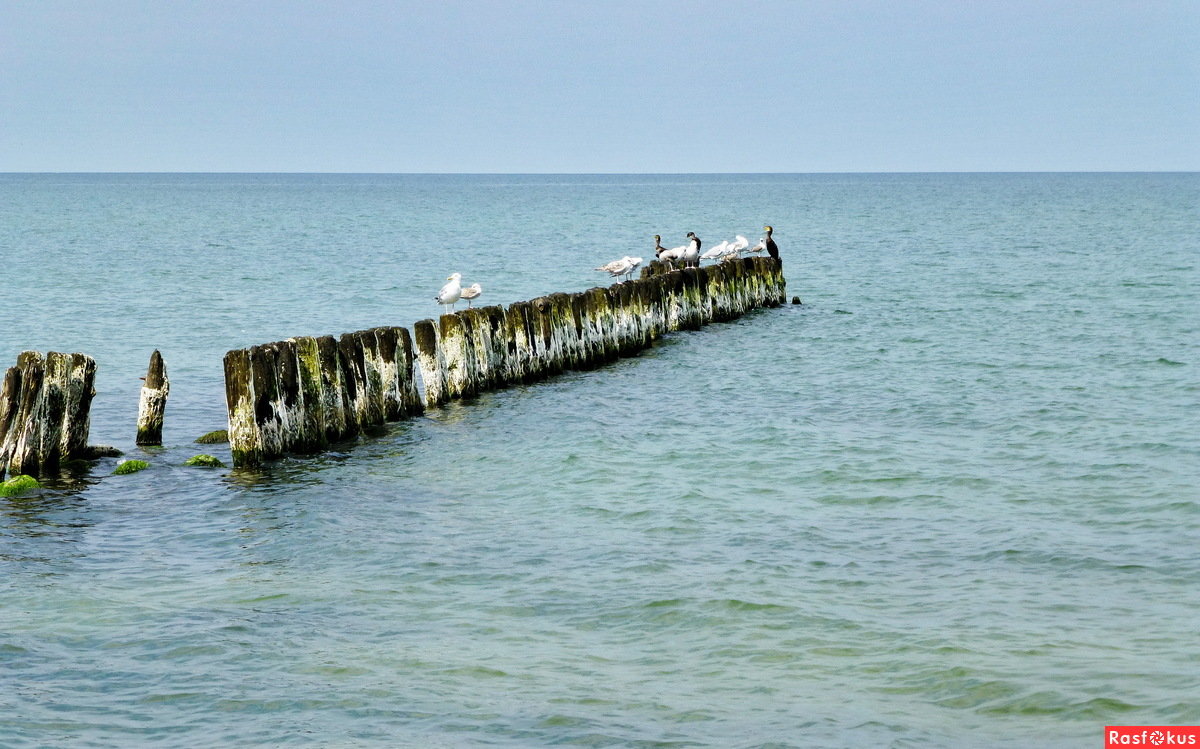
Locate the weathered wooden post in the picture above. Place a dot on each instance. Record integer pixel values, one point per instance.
(458, 351)
(546, 360)
(153, 402)
(45, 411)
(433, 364)
(245, 440)
(406, 371)
(312, 428)
(517, 335)
(479, 328)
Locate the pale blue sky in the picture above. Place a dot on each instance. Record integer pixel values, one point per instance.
(617, 86)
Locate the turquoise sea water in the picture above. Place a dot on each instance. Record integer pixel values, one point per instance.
(952, 500)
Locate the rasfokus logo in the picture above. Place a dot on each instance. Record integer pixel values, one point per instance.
(1115, 736)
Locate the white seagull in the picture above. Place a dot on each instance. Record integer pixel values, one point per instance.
(622, 267)
(472, 292)
(735, 248)
(634, 262)
(451, 292)
(715, 251)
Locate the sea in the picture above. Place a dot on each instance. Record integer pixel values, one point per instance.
(950, 499)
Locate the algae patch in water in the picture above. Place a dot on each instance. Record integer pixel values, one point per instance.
(18, 484)
(213, 438)
(204, 461)
(130, 466)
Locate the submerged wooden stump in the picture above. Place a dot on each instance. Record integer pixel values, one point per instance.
(153, 402)
(45, 411)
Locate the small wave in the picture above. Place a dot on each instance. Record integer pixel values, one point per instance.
(1052, 703)
(477, 671)
(733, 604)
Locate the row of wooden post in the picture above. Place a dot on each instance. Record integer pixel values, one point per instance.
(475, 350)
(303, 394)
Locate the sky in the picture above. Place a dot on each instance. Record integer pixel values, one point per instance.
(599, 86)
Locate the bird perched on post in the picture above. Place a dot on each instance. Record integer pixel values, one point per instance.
(716, 251)
(691, 256)
(451, 292)
(772, 248)
(472, 292)
(624, 266)
(658, 248)
(673, 254)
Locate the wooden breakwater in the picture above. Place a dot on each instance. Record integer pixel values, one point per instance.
(302, 394)
(45, 412)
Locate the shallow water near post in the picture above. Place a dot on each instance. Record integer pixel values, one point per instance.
(951, 500)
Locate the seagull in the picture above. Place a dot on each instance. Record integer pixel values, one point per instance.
(762, 245)
(451, 292)
(735, 248)
(621, 267)
(716, 251)
(772, 248)
(634, 262)
(472, 292)
(691, 256)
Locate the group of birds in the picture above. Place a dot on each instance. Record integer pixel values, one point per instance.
(454, 290)
(689, 254)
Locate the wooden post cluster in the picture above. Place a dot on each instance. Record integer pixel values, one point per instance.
(45, 412)
(297, 396)
(302, 394)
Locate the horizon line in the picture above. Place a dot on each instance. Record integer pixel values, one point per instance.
(602, 174)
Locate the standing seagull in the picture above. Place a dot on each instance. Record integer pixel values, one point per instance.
(772, 248)
(451, 292)
(621, 267)
(634, 262)
(472, 292)
(691, 256)
(716, 251)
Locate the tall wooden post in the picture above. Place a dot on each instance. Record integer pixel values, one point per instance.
(153, 402)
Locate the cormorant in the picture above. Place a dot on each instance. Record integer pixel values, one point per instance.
(772, 248)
